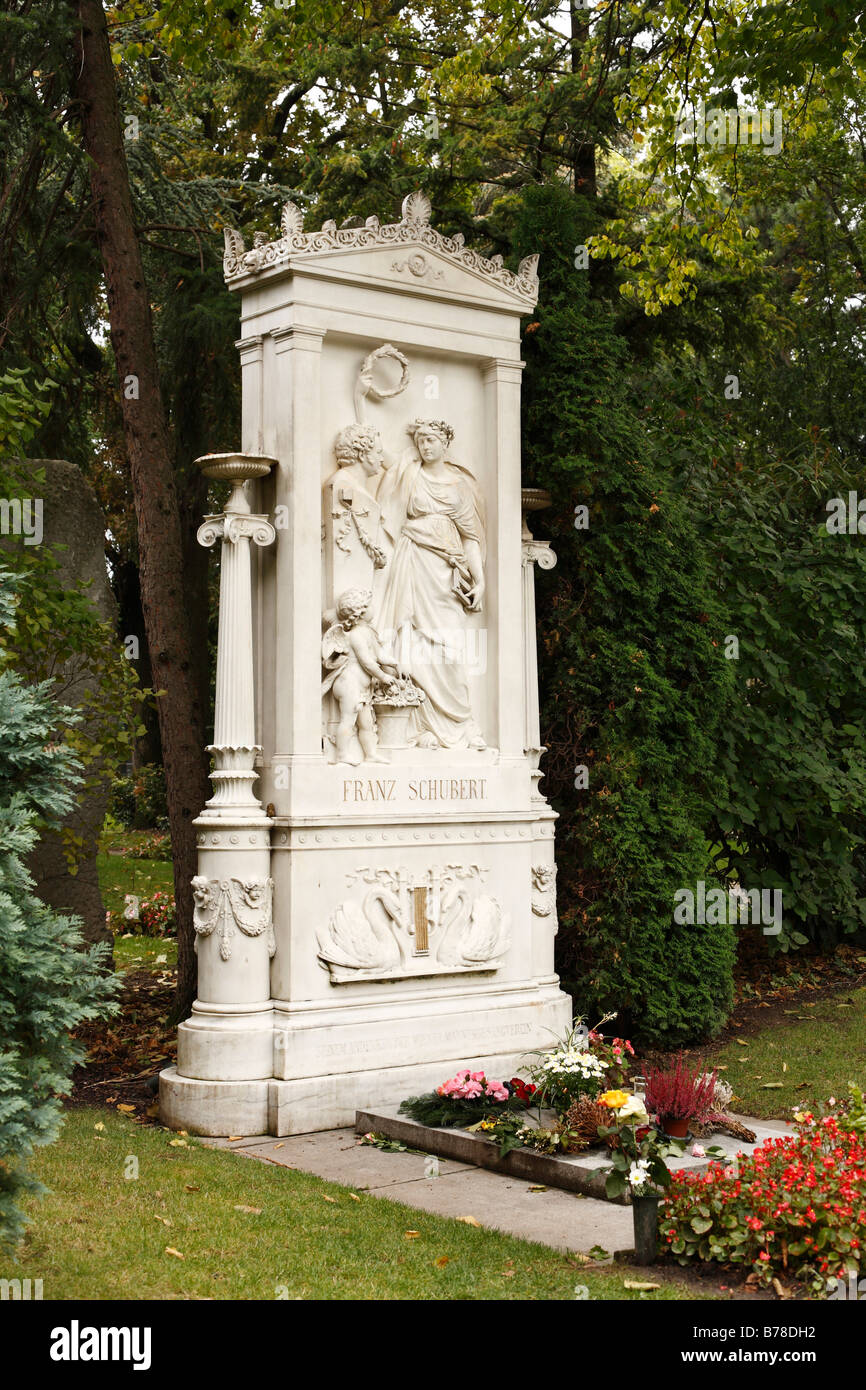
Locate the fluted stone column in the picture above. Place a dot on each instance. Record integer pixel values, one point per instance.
(229, 1035)
(534, 553)
(234, 746)
(544, 913)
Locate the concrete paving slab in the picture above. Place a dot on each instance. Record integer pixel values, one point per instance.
(562, 1220)
(338, 1156)
(502, 1201)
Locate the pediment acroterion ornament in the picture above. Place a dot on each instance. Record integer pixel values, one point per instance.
(413, 230)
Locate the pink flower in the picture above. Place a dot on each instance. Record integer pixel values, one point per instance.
(471, 1090)
(496, 1091)
(698, 1151)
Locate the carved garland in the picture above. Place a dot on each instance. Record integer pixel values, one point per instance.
(225, 904)
(413, 227)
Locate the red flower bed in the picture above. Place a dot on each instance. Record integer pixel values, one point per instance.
(795, 1206)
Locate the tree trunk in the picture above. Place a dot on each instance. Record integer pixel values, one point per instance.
(583, 166)
(181, 713)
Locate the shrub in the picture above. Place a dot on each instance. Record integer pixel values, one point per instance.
(634, 681)
(138, 802)
(47, 985)
(122, 804)
(795, 1207)
(151, 809)
(157, 916)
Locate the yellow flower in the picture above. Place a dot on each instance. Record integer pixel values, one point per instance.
(613, 1099)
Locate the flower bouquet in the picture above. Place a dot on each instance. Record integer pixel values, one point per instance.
(467, 1098)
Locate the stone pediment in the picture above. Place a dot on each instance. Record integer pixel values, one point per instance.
(408, 252)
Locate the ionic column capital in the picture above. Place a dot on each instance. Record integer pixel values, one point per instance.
(233, 527)
(539, 553)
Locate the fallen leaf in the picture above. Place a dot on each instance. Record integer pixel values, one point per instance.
(354, 1196)
(191, 1187)
(469, 1220)
(99, 1125)
(781, 1291)
(771, 1086)
(127, 1109)
(639, 1284)
(253, 1211)
(800, 1085)
(166, 1220)
(442, 1261)
(784, 1066)
(233, 1138)
(178, 1144)
(279, 1146)
(741, 1042)
(170, 1250)
(508, 1273)
(109, 1100)
(538, 1187)
(326, 1198)
(412, 1235)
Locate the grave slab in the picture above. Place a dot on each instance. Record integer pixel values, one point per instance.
(573, 1173)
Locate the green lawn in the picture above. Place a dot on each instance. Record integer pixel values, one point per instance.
(145, 952)
(119, 876)
(100, 1234)
(804, 1061)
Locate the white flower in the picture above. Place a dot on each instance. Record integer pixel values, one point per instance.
(570, 1062)
(634, 1111)
(698, 1151)
(638, 1173)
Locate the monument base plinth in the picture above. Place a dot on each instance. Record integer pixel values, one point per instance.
(213, 1108)
(232, 1045)
(347, 1065)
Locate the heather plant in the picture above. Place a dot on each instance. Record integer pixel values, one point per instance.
(680, 1092)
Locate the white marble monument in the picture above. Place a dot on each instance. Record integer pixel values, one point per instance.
(380, 909)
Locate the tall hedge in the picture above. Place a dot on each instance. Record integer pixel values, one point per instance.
(634, 681)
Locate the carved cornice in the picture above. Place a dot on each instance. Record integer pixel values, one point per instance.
(413, 229)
